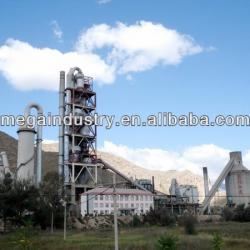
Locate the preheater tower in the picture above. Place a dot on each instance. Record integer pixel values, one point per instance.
(77, 139)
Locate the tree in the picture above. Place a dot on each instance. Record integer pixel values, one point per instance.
(49, 202)
(18, 200)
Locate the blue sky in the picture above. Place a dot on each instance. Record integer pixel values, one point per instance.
(214, 81)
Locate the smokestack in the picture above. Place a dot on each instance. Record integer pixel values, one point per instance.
(205, 178)
(206, 187)
(153, 183)
(61, 127)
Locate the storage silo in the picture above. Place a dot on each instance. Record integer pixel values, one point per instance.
(238, 182)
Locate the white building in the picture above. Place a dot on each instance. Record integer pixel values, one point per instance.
(129, 201)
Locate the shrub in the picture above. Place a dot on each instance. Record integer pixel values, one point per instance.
(217, 241)
(239, 213)
(160, 217)
(247, 214)
(167, 242)
(23, 237)
(136, 221)
(189, 222)
(227, 213)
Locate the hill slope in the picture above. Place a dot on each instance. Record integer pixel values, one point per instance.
(162, 178)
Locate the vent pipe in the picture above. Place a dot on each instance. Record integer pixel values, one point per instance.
(61, 126)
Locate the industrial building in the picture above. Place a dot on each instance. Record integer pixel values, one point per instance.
(84, 174)
(99, 201)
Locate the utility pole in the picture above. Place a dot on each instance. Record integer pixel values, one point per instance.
(65, 220)
(64, 204)
(115, 212)
(52, 219)
(52, 222)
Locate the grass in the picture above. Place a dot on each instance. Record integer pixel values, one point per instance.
(235, 236)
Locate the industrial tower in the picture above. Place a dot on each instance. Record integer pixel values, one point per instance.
(77, 139)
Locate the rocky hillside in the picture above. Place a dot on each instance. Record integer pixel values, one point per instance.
(162, 178)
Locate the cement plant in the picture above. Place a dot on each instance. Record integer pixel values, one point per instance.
(124, 125)
(95, 192)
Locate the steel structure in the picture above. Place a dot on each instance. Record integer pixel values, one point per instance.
(77, 138)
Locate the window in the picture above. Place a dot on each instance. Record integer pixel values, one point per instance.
(101, 204)
(106, 205)
(121, 205)
(141, 205)
(132, 197)
(137, 205)
(101, 197)
(126, 205)
(112, 204)
(106, 197)
(126, 197)
(137, 197)
(132, 205)
(96, 197)
(146, 197)
(141, 197)
(146, 205)
(95, 204)
(121, 197)
(106, 211)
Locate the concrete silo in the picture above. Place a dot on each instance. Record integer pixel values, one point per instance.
(238, 182)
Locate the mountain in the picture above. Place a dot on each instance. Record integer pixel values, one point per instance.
(162, 178)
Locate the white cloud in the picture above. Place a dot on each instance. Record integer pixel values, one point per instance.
(192, 158)
(138, 47)
(27, 67)
(101, 51)
(57, 30)
(103, 1)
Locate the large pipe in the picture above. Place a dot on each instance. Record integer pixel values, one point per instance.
(70, 83)
(61, 126)
(38, 169)
(26, 154)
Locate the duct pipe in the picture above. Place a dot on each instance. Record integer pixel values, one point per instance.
(38, 167)
(61, 126)
(69, 84)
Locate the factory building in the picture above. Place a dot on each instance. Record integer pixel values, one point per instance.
(99, 201)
